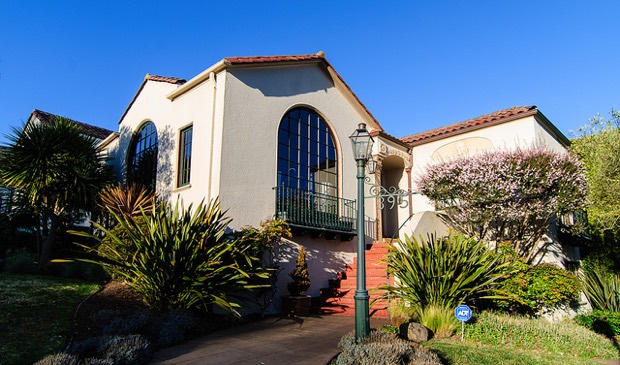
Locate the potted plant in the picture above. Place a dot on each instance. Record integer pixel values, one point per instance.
(298, 303)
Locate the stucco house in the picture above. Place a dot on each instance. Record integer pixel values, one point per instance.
(269, 137)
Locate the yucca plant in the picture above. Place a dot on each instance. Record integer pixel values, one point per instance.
(127, 199)
(179, 258)
(602, 289)
(442, 271)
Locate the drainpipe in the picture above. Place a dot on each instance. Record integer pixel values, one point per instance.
(409, 182)
(214, 93)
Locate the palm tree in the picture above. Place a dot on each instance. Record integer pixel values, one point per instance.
(58, 168)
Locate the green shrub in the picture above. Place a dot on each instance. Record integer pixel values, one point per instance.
(440, 320)
(380, 347)
(604, 322)
(532, 289)
(126, 325)
(180, 258)
(442, 271)
(561, 338)
(266, 241)
(602, 289)
(300, 276)
(128, 350)
(20, 261)
(118, 350)
(176, 327)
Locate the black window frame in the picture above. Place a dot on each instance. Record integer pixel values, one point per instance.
(184, 163)
(142, 158)
(307, 155)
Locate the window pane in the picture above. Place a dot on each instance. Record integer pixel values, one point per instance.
(185, 156)
(306, 153)
(142, 162)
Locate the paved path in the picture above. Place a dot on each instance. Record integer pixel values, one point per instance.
(274, 341)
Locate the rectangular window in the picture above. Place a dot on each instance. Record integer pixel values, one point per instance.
(185, 157)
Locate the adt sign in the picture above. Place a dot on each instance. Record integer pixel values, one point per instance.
(462, 313)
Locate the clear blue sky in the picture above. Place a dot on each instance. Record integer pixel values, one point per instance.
(416, 65)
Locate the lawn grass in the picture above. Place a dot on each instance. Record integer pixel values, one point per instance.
(469, 353)
(35, 315)
(500, 339)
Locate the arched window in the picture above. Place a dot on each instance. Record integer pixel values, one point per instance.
(142, 161)
(307, 157)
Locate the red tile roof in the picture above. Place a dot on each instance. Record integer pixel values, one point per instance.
(171, 80)
(271, 59)
(498, 117)
(87, 129)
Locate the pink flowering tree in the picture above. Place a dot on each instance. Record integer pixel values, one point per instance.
(506, 196)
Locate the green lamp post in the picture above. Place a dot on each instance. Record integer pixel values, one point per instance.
(362, 151)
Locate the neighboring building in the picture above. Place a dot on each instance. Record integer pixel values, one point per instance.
(100, 134)
(269, 137)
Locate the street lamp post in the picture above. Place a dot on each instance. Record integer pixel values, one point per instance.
(362, 150)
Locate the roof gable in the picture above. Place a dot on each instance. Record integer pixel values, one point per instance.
(149, 77)
(270, 61)
(485, 121)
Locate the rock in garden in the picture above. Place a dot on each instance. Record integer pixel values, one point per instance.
(414, 332)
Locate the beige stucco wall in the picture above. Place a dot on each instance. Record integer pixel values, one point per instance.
(235, 116)
(520, 133)
(256, 101)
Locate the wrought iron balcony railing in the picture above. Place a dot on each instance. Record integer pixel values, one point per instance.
(313, 210)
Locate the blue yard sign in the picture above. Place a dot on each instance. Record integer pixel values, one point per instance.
(463, 314)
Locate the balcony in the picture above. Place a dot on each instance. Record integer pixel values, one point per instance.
(318, 214)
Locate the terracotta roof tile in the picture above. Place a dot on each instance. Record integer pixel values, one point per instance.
(271, 59)
(498, 117)
(89, 130)
(171, 80)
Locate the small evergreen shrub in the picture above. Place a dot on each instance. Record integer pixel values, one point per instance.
(379, 348)
(134, 323)
(20, 261)
(117, 350)
(128, 350)
(604, 322)
(300, 276)
(59, 358)
(531, 290)
(175, 328)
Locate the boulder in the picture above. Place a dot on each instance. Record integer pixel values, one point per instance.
(414, 332)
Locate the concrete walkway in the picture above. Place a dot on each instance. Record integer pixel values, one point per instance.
(273, 341)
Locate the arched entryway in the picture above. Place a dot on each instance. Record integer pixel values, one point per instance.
(393, 177)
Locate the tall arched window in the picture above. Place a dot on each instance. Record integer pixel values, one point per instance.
(142, 161)
(307, 158)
